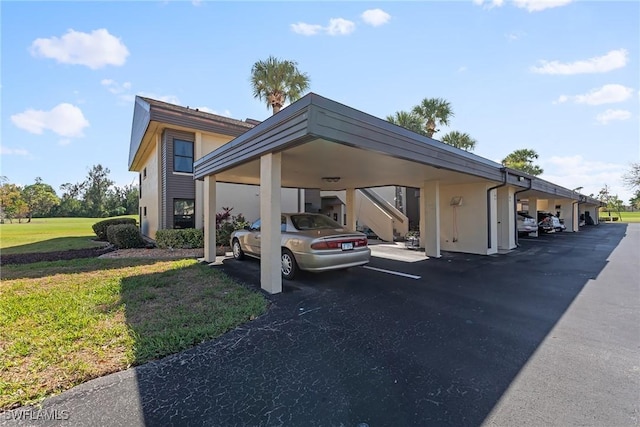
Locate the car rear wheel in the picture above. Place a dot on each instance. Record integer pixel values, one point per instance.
(238, 253)
(289, 266)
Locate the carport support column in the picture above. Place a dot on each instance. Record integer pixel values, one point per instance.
(430, 218)
(351, 208)
(533, 212)
(506, 218)
(270, 212)
(210, 218)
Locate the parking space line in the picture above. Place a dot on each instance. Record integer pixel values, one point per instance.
(397, 273)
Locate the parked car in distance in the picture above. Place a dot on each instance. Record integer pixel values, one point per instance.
(549, 223)
(526, 224)
(310, 242)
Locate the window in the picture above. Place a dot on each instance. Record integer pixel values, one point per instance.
(144, 173)
(145, 211)
(184, 213)
(140, 185)
(182, 156)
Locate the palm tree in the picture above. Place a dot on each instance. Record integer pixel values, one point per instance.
(278, 81)
(407, 120)
(434, 111)
(460, 140)
(522, 159)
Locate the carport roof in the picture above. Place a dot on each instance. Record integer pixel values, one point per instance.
(319, 135)
(314, 117)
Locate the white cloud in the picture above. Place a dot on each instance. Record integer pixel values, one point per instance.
(530, 5)
(538, 5)
(5, 151)
(114, 87)
(607, 94)
(95, 50)
(575, 171)
(64, 119)
(375, 17)
(306, 29)
(489, 4)
(336, 27)
(171, 99)
(611, 115)
(340, 27)
(462, 69)
(600, 64)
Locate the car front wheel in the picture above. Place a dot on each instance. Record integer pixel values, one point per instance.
(289, 266)
(238, 253)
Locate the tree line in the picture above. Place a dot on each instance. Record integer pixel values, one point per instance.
(96, 196)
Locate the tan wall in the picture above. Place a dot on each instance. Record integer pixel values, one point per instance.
(244, 199)
(470, 219)
(204, 144)
(150, 189)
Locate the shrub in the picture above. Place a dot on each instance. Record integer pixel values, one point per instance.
(100, 228)
(227, 224)
(125, 236)
(184, 238)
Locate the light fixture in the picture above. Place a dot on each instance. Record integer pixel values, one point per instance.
(331, 178)
(521, 178)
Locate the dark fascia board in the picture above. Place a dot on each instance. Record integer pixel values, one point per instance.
(316, 117)
(147, 110)
(288, 126)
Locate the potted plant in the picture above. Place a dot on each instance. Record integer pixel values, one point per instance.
(412, 239)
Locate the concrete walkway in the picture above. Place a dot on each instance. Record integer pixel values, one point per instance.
(548, 335)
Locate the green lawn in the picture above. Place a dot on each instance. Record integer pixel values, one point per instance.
(626, 216)
(48, 235)
(63, 323)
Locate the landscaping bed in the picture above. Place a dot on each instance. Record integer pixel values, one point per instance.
(29, 258)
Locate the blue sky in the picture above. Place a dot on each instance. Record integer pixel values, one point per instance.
(558, 76)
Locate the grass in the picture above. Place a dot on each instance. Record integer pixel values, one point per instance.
(48, 235)
(63, 323)
(627, 217)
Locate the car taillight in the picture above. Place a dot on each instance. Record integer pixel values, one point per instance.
(337, 244)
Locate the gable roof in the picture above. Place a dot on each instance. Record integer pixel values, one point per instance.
(148, 111)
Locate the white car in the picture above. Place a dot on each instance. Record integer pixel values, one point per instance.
(549, 223)
(526, 224)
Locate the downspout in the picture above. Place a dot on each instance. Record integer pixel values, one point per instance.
(515, 207)
(505, 177)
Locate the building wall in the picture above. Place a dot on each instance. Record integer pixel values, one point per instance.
(150, 192)
(204, 144)
(175, 185)
(245, 199)
(464, 228)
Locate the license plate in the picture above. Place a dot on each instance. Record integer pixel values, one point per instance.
(347, 246)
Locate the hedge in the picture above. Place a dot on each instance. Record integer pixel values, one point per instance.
(125, 236)
(184, 238)
(100, 228)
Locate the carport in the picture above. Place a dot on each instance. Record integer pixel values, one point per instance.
(467, 203)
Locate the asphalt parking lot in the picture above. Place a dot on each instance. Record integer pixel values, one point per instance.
(548, 334)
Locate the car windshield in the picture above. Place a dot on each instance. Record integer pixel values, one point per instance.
(313, 222)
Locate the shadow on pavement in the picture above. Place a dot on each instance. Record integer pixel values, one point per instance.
(368, 347)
